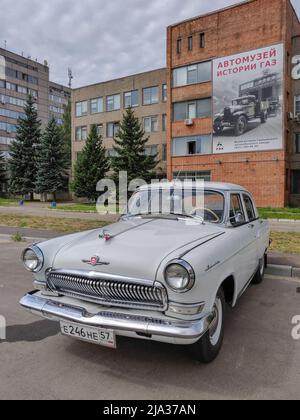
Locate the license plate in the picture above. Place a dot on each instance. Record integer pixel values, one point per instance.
(94, 335)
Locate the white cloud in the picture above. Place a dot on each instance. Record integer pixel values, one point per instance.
(98, 39)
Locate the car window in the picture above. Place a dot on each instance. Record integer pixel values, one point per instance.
(237, 215)
(249, 208)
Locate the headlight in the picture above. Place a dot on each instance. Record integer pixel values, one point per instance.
(33, 259)
(180, 276)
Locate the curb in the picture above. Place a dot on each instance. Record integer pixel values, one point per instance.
(24, 238)
(284, 220)
(283, 271)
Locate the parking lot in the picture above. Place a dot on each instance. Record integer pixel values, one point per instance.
(259, 358)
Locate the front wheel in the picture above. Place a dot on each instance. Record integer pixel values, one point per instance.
(218, 129)
(209, 346)
(240, 125)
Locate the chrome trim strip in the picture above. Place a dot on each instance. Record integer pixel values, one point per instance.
(139, 324)
(189, 270)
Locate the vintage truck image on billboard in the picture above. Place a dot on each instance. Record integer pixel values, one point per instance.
(248, 101)
(240, 113)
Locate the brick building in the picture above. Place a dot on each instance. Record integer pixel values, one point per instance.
(232, 102)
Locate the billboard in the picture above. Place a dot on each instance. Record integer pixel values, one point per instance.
(248, 101)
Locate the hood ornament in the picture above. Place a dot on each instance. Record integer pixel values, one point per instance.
(95, 260)
(105, 235)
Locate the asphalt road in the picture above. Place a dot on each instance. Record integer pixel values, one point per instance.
(259, 358)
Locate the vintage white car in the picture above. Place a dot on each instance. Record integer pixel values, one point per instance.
(164, 272)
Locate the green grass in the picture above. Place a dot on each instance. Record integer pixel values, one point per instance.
(49, 223)
(83, 208)
(286, 242)
(287, 213)
(8, 201)
(17, 237)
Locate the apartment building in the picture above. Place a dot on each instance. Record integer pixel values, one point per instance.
(20, 77)
(59, 96)
(234, 97)
(104, 104)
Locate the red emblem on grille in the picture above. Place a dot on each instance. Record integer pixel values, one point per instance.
(94, 260)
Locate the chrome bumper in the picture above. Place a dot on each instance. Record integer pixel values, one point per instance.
(116, 321)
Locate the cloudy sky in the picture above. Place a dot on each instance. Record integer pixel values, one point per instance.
(98, 39)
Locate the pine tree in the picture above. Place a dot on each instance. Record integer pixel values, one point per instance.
(91, 166)
(51, 161)
(23, 165)
(66, 133)
(130, 149)
(3, 174)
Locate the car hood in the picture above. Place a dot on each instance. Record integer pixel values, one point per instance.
(235, 108)
(137, 247)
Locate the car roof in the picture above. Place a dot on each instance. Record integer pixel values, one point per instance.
(220, 186)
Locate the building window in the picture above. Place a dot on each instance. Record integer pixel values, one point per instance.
(151, 150)
(190, 43)
(99, 129)
(81, 133)
(297, 105)
(297, 142)
(295, 181)
(194, 145)
(113, 103)
(151, 124)
(96, 105)
(164, 122)
(202, 40)
(81, 108)
(189, 75)
(131, 99)
(200, 108)
(182, 175)
(164, 93)
(178, 46)
(151, 95)
(164, 152)
(113, 129)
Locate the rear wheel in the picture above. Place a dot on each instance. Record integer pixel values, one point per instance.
(264, 117)
(259, 275)
(240, 125)
(209, 346)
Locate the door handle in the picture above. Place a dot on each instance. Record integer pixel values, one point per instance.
(251, 226)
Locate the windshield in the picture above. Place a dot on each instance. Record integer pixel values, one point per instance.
(208, 205)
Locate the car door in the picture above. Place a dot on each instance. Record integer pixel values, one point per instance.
(257, 226)
(244, 242)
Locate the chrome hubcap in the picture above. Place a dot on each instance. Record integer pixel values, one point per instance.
(216, 325)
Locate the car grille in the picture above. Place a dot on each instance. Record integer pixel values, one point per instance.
(109, 291)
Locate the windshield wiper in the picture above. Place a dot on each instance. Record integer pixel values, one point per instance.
(189, 216)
